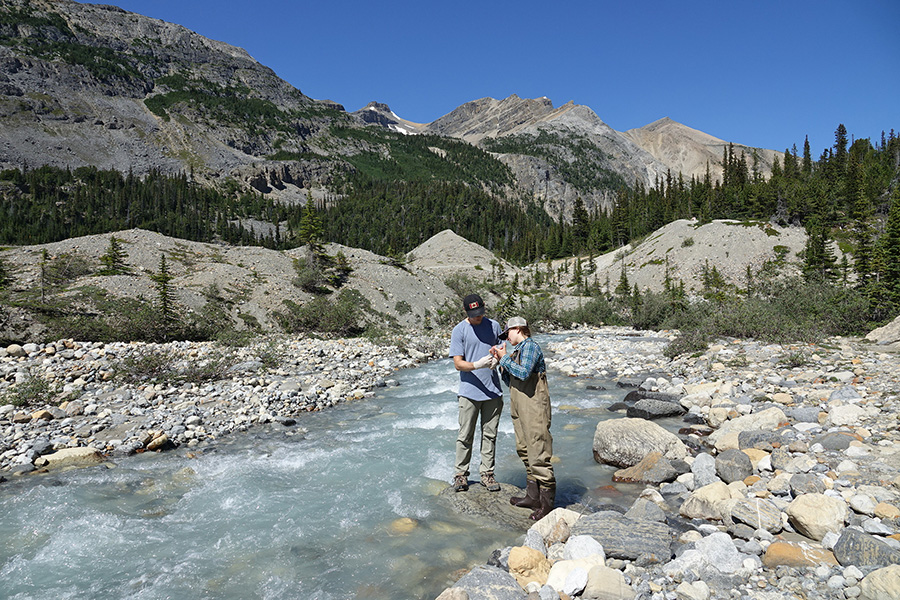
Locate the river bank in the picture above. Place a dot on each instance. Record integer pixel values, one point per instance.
(787, 485)
(90, 400)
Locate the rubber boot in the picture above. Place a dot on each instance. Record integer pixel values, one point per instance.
(547, 498)
(530, 499)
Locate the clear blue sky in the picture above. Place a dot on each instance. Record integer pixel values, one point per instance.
(763, 73)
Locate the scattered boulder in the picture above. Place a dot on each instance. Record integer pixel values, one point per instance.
(856, 547)
(769, 419)
(814, 515)
(758, 513)
(654, 409)
(490, 508)
(528, 565)
(704, 470)
(883, 584)
(653, 468)
(625, 442)
(72, 457)
(623, 538)
(797, 555)
(708, 502)
(759, 439)
(489, 583)
(605, 583)
(733, 465)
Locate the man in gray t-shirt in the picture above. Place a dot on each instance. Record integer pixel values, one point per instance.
(479, 392)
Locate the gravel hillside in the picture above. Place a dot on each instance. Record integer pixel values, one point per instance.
(689, 247)
(253, 282)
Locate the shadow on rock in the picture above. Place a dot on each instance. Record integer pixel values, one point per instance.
(490, 509)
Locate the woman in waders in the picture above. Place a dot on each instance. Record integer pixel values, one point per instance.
(524, 371)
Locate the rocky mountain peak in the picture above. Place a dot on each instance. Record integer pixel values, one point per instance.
(690, 151)
(379, 113)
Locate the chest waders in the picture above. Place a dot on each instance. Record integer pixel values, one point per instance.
(530, 411)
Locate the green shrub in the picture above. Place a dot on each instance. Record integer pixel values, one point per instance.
(464, 285)
(788, 310)
(341, 316)
(596, 312)
(402, 307)
(161, 366)
(539, 312)
(310, 277)
(32, 391)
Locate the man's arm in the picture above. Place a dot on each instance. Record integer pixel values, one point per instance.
(462, 364)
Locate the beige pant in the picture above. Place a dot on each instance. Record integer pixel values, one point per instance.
(469, 412)
(529, 405)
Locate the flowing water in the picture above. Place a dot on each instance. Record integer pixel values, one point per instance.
(282, 514)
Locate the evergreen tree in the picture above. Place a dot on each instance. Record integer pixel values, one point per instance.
(840, 148)
(890, 247)
(806, 167)
(819, 260)
(113, 260)
(580, 222)
(623, 289)
(863, 234)
(165, 298)
(5, 274)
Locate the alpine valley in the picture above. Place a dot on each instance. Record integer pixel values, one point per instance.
(91, 85)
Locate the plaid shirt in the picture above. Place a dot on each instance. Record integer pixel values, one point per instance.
(531, 359)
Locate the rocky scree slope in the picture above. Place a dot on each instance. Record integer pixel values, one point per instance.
(94, 85)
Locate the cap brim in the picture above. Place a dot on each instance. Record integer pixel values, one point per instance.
(504, 334)
(475, 312)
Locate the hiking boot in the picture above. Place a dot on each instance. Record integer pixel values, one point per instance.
(488, 481)
(460, 483)
(530, 500)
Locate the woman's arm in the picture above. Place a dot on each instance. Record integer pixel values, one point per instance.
(529, 354)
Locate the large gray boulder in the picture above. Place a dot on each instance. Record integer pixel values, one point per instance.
(856, 547)
(625, 442)
(492, 509)
(625, 538)
(648, 408)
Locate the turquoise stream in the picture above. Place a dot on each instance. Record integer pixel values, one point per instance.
(277, 514)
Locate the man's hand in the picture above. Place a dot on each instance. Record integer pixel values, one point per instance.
(483, 362)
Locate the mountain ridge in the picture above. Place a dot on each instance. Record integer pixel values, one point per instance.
(94, 85)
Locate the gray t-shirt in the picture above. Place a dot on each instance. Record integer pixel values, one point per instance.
(473, 342)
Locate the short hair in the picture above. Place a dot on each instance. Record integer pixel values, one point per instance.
(524, 330)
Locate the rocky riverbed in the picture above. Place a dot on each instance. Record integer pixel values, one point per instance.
(783, 482)
(87, 401)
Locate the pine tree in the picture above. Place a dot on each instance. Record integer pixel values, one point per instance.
(806, 167)
(113, 260)
(623, 288)
(863, 236)
(580, 222)
(819, 260)
(165, 298)
(890, 246)
(5, 274)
